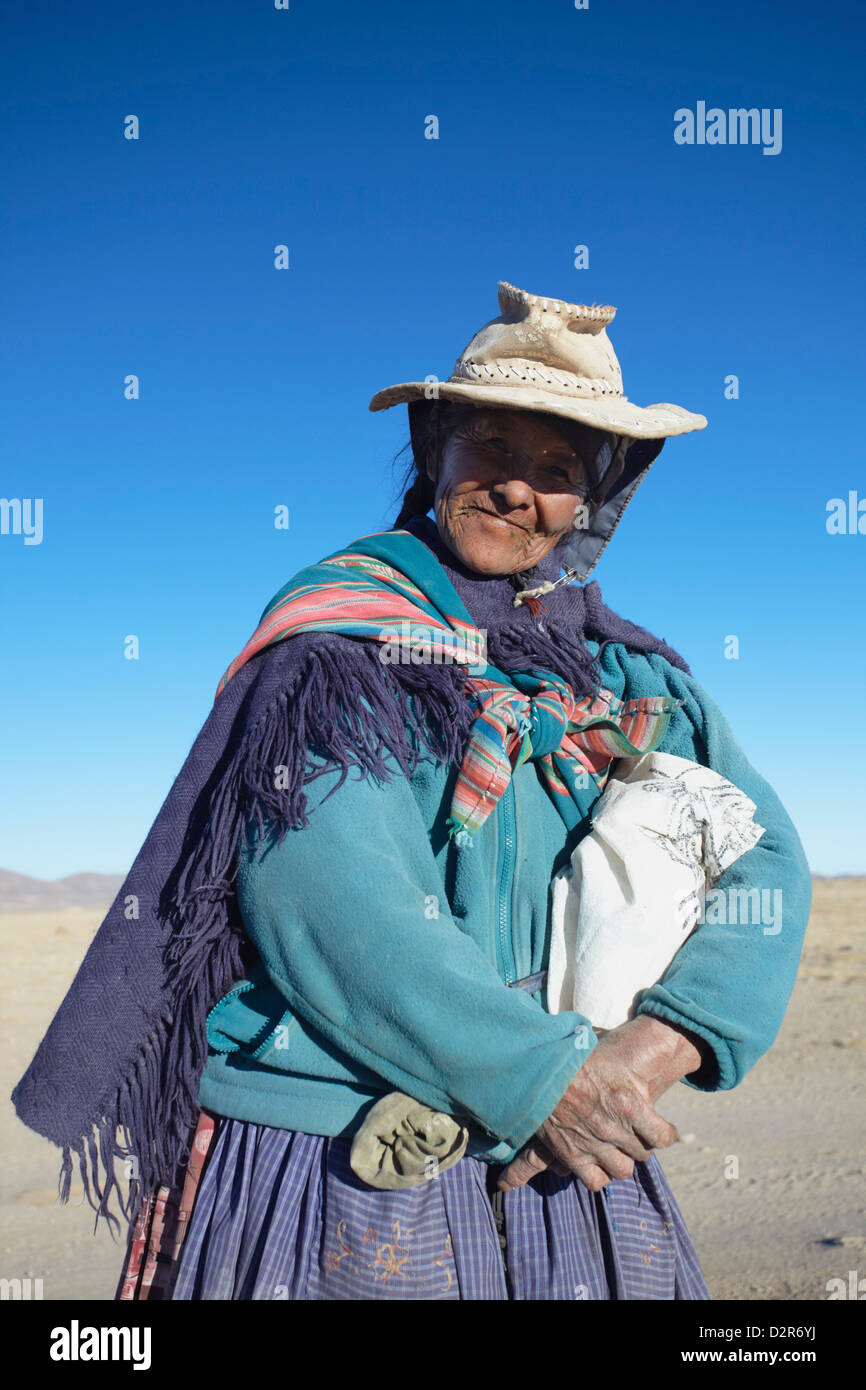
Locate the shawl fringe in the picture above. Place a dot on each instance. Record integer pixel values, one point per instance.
(345, 705)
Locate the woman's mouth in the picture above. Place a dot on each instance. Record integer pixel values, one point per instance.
(494, 516)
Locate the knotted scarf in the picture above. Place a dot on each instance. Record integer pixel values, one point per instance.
(520, 715)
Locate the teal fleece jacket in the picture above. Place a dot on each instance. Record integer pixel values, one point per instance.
(387, 954)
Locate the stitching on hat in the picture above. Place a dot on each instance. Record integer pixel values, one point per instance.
(595, 385)
(590, 312)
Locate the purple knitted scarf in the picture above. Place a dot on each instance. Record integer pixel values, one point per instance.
(127, 1045)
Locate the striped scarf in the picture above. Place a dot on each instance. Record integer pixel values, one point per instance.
(519, 714)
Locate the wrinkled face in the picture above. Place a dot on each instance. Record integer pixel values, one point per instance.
(508, 488)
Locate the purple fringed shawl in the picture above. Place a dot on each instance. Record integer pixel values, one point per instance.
(127, 1045)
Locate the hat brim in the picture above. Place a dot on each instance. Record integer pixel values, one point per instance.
(660, 421)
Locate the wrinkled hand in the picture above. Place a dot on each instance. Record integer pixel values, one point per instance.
(606, 1120)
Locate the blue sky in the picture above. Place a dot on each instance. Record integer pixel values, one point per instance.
(306, 127)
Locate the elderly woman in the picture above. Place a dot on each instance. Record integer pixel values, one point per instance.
(346, 896)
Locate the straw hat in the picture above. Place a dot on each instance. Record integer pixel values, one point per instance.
(548, 355)
(552, 356)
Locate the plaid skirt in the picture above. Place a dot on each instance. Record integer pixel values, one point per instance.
(277, 1214)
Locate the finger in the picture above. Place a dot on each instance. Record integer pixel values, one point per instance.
(607, 1131)
(559, 1168)
(591, 1175)
(554, 1164)
(654, 1131)
(528, 1163)
(631, 1124)
(589, 1163)
(630, 1144)
(613, 1161)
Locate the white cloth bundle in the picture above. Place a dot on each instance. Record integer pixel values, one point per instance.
(663, 832)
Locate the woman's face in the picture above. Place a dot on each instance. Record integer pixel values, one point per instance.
(508, 488)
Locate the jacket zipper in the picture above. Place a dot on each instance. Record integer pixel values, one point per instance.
(506, 884)
(506, 826)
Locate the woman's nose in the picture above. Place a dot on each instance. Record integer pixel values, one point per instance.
(514, 492)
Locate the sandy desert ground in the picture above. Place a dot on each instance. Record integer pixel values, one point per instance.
(794, 1217)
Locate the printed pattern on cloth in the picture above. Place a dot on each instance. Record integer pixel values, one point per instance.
(663, 832)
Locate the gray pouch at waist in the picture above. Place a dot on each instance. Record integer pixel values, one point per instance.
(402, 1143)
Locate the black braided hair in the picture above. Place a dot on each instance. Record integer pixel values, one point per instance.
(430, 424)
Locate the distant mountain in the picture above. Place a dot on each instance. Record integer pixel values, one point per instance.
(19, 892)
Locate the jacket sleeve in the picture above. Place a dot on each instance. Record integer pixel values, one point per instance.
(732, 979)
(339, 913)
